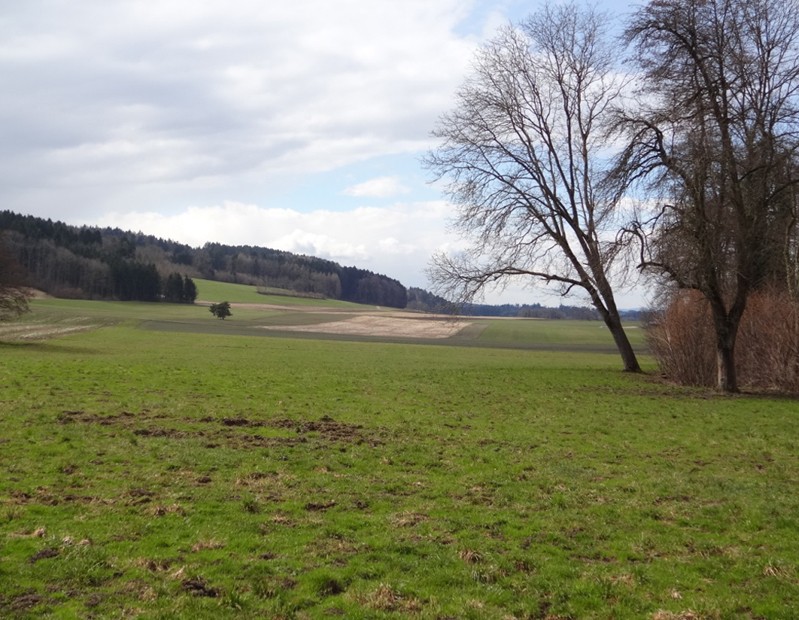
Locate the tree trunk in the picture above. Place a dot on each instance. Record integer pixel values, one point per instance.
(603, 300)
(726, 376)
(726, 329)
(613, 322)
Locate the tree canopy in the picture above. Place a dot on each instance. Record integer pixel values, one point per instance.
(221, 310)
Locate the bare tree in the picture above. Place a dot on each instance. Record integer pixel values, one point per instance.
(718, 142)
(523, 154)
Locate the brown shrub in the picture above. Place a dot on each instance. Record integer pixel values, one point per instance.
(767, 352)
(767, 349)
(682, 341)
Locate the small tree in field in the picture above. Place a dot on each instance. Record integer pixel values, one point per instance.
(221, 310)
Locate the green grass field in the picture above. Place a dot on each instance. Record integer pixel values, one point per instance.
(210, 290)
(164, 464)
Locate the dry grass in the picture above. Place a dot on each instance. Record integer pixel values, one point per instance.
(679, 615)
(386, 598)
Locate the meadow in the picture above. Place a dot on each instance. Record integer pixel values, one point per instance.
(160, 463)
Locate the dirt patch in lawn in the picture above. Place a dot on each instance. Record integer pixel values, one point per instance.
(234, 432)
(390, 326)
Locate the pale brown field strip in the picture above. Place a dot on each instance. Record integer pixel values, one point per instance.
(39, 331)
(384, 326)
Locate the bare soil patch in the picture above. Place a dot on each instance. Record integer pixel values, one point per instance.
(233, 431)
(384, 325)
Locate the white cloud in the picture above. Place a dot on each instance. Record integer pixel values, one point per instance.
(323, 246)
(382, 187)
(391, 245)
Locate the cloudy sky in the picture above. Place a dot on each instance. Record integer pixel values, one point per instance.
(296, 125)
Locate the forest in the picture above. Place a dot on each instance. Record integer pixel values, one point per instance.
(109, 263)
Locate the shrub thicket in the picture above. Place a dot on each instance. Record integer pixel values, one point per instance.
(767, 351)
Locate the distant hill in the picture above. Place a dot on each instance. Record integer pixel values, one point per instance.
(109, 263)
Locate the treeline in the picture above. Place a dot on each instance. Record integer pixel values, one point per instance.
(419, 299)
(94, 263)
(87, 263)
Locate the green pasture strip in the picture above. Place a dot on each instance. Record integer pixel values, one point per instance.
(112, 311)
(555, 332)
(179, 475)
(273, 290)
(210, 290)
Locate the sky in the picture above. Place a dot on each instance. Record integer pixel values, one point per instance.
(294, 125)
